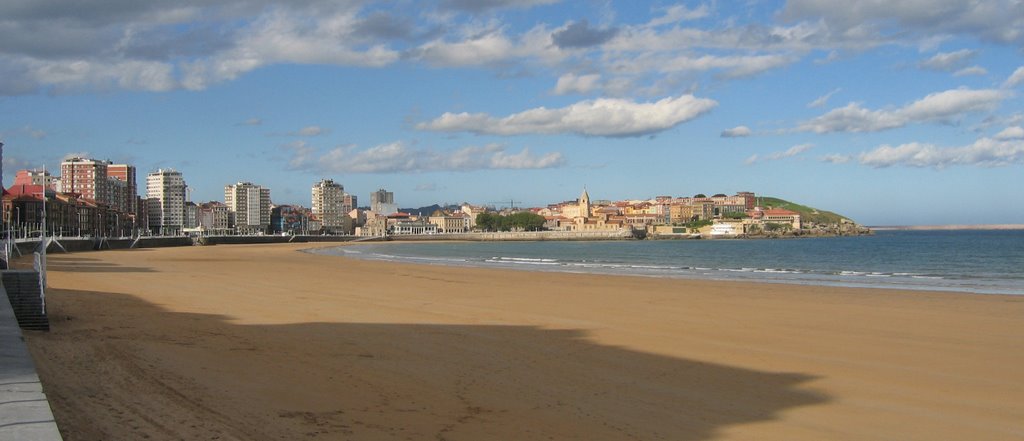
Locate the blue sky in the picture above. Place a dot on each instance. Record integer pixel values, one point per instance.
(905, 112)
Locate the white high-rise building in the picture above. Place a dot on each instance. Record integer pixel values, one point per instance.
(329, 205)
(165, 201)
(248, 207)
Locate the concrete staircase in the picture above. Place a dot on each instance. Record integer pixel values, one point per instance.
(22, 288)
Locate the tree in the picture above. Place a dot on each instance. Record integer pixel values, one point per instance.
(487, 221)
(525, 221)
(697, 224)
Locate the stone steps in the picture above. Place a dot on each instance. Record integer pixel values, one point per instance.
(24, 294)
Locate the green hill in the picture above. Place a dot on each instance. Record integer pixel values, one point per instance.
(807, 214)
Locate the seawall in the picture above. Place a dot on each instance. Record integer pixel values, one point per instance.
(520, 236)
(92, 244)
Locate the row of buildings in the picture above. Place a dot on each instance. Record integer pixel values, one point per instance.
(93, 197)
(736, 214)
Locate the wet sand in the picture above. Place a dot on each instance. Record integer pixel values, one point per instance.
(263, 342)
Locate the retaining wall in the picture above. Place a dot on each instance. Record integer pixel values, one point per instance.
(521, 236)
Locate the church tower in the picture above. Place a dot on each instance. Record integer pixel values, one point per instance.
(585, 204)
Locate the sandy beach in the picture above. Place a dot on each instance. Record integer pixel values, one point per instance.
(262, 342)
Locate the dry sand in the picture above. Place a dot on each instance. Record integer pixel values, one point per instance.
(263, 342)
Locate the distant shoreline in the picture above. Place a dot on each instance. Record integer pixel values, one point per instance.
(947, 227)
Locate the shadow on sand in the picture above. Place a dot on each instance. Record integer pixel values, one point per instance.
(129, 358)
(73, 262)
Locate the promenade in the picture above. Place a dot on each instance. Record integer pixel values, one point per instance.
(24, 411)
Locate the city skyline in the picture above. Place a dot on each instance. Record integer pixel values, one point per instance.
(888, 115)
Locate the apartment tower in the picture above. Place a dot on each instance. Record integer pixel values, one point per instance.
(329, 204)
(86, 177)
(127, 200)
(248, 207)
(383, 202)
(165, 201)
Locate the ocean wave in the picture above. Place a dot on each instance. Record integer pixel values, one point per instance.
(524, 259)
(521, 262)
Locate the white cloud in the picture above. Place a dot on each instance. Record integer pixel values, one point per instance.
(252, 122)
(948, 61)
(141, 46)
(477, 6)
(572, 83)
(303, 155)
(602, 117)
(822, 100)
(736, 132)
(397, 157)
(1015, 132)
(1015, 78)
(835, 158)
(937, 107)
(992, 20)
(731, 66)
(677, 13)
(985, 152)
(70, 75)
(484, 49)
(972, 70)
(309, 131)
(775, 156)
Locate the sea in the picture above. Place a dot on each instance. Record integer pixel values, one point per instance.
(971, 261)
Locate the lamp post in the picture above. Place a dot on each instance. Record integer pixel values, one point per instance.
(46, 244)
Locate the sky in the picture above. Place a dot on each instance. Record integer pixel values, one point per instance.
(889, 112)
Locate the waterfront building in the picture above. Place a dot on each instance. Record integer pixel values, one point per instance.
(86, 177)
(726, 228)
(191, 215)
(67, 214)
(358, 216)
(34, 177)
(375, 225)
(329, 206)
(584, 203)
(248, 207)
(472, 211)
(165, 201)
(141, 214)
(419, 226)
(777, 216)
(688, 210)
(349, 202)
(212, 217)
(450, 223)
(585, 216)
(290, 219)
(126, 200)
